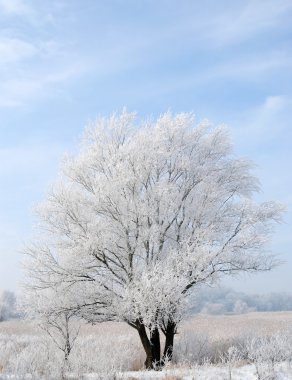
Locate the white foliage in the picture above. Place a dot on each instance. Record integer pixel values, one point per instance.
(266, 352)
(38, 358)
(29, 355)
(105, 356)
(143, 215)
(193, 348)
(53, 314)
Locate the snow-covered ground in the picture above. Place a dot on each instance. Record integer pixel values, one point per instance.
(255, 346)
(246, 372)
(281, 371)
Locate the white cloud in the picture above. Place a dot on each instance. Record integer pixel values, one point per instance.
(268, 122)
(14, 7)
(19, 92)
(243, 22)
(252, 67)
(272, 106)
(255, 66)
(14, 93)
(37, 64)
(14, 50)
(210, 24)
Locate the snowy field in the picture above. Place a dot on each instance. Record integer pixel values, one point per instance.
(208, 372)
(249, 346)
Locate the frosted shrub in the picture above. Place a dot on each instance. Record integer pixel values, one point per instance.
(8, 349)
(275, 348)
(39, 360)
(39, 357)
(266, 352)
(36, 356)
(231, 357)
(103, 354)
(192, 348)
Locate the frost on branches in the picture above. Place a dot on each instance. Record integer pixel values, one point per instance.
(53, 312)
(142, 216)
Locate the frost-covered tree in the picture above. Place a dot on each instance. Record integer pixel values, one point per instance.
(142, 216)
(53, 314)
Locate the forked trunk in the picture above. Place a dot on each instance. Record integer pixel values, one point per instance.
(152, 346)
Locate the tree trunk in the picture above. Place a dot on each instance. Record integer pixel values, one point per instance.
(146, 344)
(151, 346)
(155, 346)
(169, 338)
(67, 348)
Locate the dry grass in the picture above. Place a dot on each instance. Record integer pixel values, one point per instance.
(230, 326)
(19, 327)
(199, 338)
(215, 326)
(220, 330)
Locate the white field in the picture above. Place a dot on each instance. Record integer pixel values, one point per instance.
(112, 350)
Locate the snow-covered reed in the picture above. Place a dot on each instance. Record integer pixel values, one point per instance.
(34, 355)
(108, 350)
(39, 357)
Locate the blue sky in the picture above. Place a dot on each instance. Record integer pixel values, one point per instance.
(62, 63)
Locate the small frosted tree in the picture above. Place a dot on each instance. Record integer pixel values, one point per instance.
(142, 216)
(53, 314)
(7, 305)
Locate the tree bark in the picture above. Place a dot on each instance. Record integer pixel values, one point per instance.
(151, 346)
(169, 339)
(146, 344)
(67, 348)
(155, 347)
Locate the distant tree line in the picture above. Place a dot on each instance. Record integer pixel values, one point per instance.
(7, 305)
(213, 301)
(225, 300)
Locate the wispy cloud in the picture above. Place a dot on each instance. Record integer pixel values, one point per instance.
(33, 64)
(14, 50)
(215, 25)
(12, 7)
(251, 67)
(246, 19)
(266, 123)
(20, 92)
(127, 47)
